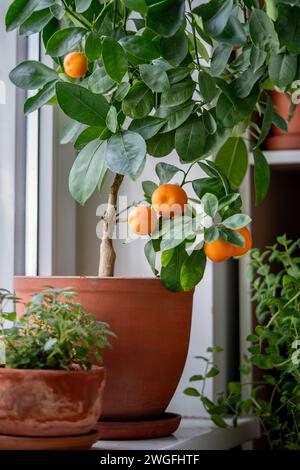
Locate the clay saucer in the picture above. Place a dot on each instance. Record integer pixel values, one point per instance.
(81, 442)
(161, 426)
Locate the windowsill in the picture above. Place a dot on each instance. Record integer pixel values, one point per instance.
(193, 434)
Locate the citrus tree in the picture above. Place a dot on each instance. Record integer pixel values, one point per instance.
(138, 80)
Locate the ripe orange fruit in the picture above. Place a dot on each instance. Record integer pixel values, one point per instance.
(218, 251)
(169, 200)
(75, 64)
(142, 220)
(242, 250)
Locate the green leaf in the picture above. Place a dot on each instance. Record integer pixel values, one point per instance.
(232, 158)
(122, 91)
(209, 122)
(149, 187)
(64, 40)
(233, 33)
(257, 58)
(139, 49)
(236, 221)
(212, 373)
(161, 144)
(178, 93)
(219, 421)
(282, 69)
(267, 121)
(196, 378)
(175, 115)
(93, 47)
(212, 169)
(262, 361)
(154, 77)
(165, 172)
(82, 5)
(243, 85)
(114, 59)
(150, 254)
(210, 204)
(172, 14)
(81, 104)
(125, 153)
(178, 74)
(136, 5)
(175, 48)
(99, 82)
(36, 22)
(192, 272)
(175, 231)
(262, 32)
(219, 59)
(138, 102)
(279, 122)
(288, 28)
(191, 392)
(112, 119)
(207, 86)
(211, 234)
(228, 200)
(170, 274)
(215, 15)
(18, 12)
(233, 237)
(261, 175)
(69, 132)
(190, 140)
(87, 171)
(147, 127)
(31, 75)
(211, 185)
(88, 135)
(42, 97)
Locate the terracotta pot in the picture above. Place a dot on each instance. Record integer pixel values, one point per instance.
(50, 402)
(152, 325)
(278, 139)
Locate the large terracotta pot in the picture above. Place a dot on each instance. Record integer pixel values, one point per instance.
(50, 402)
(278, 139)
(152, 326)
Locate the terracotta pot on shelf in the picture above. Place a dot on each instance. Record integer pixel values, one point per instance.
(278, 139)
(147, 358)
(56, 403)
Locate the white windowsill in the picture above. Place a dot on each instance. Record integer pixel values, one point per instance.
(193, 434)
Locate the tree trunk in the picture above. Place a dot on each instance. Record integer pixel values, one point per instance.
(107, 252)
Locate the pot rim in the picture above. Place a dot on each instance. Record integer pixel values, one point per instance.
(95, 370)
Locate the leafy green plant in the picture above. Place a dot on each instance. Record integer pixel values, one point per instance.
(274, 351)
(152, 86)
(54, 333)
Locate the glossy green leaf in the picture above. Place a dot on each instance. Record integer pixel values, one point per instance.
(234, 33)
(282, 69)
(175, 48)
(209, 122)
(149, 187)
(139, 49)
(93, 47)
(150, 254)
(211, 185)
(125, 153)
(207, 86)
(138, 102)
(175, 115)
(267, 121)
(161, 145)
(288, 28)
(114, 59)
(165, 172)
(81, 104)
(147, 127)
(190, 140)
(36, 22)
(82, 5)
(261, 175)
(219, 59)
(192, 270)
(170, 274)
(215, 15)
(122, 91)
(87, 171)
(99, 82)
(69, 132)
(257, 58)
(243, 85)
(172, 14)
(31, 75)
(64, 40)
(18, 12)
(112, 119)
(232, 158)
(210, 204)
(262, 32)
(154, 77)
(211, 234)
(136, 5)
(178, 93)
(42, 97)
(236, 221)
(88, 135)
(178, 74)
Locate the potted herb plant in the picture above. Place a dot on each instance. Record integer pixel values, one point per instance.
(136, 79)
(274, 352)
(48, 385)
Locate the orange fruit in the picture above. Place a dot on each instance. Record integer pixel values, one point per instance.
(142, 220)
(218, 251)
(169, 200)
(75, 64)
(242, 250)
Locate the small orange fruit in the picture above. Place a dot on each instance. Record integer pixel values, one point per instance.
(75, 64)
(218, 251)
(142, 220)
(242, 250)
(169, 200)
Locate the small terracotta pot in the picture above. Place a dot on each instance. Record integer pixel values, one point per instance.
(50, 402)
(152, 326)
(278, 139)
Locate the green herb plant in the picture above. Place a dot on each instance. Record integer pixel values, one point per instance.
(164, 76)
(53, 333)
(274, 352)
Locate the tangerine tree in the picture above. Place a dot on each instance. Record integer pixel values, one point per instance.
(138, 80)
